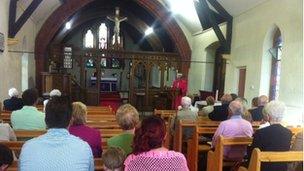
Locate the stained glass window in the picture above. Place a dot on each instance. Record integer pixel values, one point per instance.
(103, 36)
(89, 39)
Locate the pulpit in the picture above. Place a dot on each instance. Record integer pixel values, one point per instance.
(58, 81)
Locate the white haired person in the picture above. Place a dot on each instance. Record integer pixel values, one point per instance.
(14, 102)
(274, 137)
(184, 113)
(53, 93)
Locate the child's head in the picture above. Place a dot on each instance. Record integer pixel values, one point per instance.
(6, 157)
(113, 159)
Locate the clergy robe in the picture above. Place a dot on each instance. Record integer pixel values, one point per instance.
(181, 86)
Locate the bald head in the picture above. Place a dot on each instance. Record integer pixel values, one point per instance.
(236, 107)
(263, 100)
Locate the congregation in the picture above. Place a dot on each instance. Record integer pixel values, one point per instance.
(70, 144)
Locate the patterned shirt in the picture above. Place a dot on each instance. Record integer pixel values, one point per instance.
(156, 160)
(28, 118)
(56, 150)
(233, 127)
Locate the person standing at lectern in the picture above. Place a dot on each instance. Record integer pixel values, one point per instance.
(180, 86)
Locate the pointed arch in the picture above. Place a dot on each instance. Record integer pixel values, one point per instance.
(58, 18)
(271, 63)
(103, 36)
(88, 39)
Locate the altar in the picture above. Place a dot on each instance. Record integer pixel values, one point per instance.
(106, 84)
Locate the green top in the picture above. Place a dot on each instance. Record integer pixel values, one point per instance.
(124, 141)
(28, 118)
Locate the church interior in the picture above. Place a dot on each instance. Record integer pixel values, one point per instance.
(151, 53)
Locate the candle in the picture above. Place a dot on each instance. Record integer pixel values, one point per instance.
(216, 95)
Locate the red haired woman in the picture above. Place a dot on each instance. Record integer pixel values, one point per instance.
(148, 151)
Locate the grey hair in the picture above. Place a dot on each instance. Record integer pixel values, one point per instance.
(236, 107)
(186, 102)
(275, 110)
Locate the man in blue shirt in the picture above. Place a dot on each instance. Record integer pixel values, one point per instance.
(57, 149)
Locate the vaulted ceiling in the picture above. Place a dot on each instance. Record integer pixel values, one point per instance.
(139, 19)
(234, 7)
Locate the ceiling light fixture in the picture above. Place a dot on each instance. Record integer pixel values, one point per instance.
(68, 25)
(149, 31)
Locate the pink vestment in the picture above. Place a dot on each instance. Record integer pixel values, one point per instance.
(182, 86)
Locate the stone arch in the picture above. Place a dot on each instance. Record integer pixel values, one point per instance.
(66, 10)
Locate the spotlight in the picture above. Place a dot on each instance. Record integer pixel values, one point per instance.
(149, 31)
(68, 25)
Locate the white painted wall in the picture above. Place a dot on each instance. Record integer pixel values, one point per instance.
(11, 63)
(197, 74)
(249, 43)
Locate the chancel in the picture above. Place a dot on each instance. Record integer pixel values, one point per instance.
(212, 73)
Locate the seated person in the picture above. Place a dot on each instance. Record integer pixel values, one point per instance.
(235, 126)
(265, 121)
(148, 151)
(79, 129)
(128, 118)
(274, 137)
(257, 113)
(28, 118)
(6, 157)
(234, 96)
(210, 106)
(246, 114)
(113, 159)
(57, 149)
(54, 92)
(13, 103)
(184, 113)
(7, 133)
(254, 103)
(220, 113)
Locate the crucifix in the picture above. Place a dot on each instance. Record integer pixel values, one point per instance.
(117, 20)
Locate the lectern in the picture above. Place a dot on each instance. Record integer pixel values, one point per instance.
(58, 81)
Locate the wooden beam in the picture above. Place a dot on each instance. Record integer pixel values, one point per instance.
(12, 17)
(15, 26)
(220, 9)
(213, 22)
(208, 17)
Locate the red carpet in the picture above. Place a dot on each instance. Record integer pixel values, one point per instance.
(110, 99)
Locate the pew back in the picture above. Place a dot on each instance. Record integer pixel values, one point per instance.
(266, 156)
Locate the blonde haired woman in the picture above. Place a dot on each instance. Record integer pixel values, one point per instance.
(79, 129)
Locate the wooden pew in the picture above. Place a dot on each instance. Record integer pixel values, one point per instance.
(102, 125)
(193, 146)
(215, 160)
(177, 145)
(25, 134)
(14, 146)
(266, 156)
(6, 116)
(165, 114)
(103, 118)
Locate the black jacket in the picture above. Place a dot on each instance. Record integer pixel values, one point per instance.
(12, 104)
(220, 113)
(272, 138)
(257, 114)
